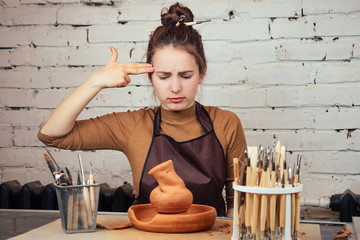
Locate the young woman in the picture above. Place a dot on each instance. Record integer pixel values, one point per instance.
(201, 140)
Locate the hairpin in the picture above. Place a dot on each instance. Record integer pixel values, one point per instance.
(182, 17)
(186, 23)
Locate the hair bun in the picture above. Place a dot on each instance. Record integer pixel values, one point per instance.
(174, 12)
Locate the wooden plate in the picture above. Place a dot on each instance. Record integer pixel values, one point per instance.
(197, 218)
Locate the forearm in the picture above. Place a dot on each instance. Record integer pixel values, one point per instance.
(63, 118)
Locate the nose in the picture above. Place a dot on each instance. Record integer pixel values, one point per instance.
(175, 85)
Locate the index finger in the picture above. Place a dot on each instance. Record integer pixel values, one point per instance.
(140, 70)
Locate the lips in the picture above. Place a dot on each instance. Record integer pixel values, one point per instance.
(176, 99)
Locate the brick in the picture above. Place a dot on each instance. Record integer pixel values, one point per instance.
(129, 96)
(10, 3)
(55, 36)
(315, 162)
(87, 15)
(220, 73)
(273, 8)
(292, 28)
(312, 96)
(13, 37)
(28, 15)
(318, 141)
(50, 98)
(10, 98)
(314, 50)
(315, 184)
(280, 73)
(14, 157)
(245, 30)
(85, 56)
(253, 52)
(5, 137)
(337, 25)
(217, 51)
(4, 58)
(275, 119)
(23, 117)
(119, 33)
(338, 72)
(332, 6)
(26, 137)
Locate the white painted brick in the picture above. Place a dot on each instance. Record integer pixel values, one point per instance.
(253, 52)
(337, 25)
(330, 6)
(314, 184)
(55, 36)
(285, 73)
(23, 157)
(338, 72)
(318, 141)
(70, 77)
(4, 58)
(11, 98)
(5, 137)
(312, 96)
(13, 37)
(95, 55)
(23, 117)
(86, 15)
(119, 33)
(231, 73)
(314, 50)
(25, 175)
(10, 3)
(129, 96)
(269, 8)
(24, 78)
(38, 57)
(28, 15)
(26, 137)
(315, 162)
(275, 119)
(214, 96)
(50, 98)
(292, 28)
(217, 51)
(235, 30)
(356, 48)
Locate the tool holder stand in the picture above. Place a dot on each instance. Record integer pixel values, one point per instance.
(278, 191)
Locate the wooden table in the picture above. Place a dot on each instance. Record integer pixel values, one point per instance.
(221, 230)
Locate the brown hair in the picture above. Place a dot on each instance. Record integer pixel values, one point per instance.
(181, 36)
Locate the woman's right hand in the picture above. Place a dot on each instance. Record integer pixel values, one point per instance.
(116, 74)
(112, 75)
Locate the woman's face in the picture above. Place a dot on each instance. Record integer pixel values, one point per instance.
(176, 78)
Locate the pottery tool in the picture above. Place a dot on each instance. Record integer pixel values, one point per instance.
(236, 194)
(248, 197)
(272, 201)
(59, 176)
(92, 193)
(85, 202)
(75, 217)
(297, 182)
(255, 205)
(265, 183)
(70, 212)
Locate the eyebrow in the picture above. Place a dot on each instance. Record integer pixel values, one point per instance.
(183, 72)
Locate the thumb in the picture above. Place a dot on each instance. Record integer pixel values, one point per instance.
(114, 55)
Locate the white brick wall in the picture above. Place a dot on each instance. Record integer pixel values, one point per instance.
(289, 69)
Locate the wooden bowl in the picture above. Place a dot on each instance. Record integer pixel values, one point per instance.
(197, 218)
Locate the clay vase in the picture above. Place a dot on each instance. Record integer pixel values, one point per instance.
(171, 196)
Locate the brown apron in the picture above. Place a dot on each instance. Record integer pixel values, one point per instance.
(199, 162)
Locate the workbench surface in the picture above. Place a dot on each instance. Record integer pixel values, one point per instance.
(222, 229)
